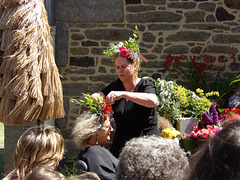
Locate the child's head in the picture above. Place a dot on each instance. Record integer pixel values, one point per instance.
(38, 146)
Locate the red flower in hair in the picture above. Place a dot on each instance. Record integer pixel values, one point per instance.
(124, 52)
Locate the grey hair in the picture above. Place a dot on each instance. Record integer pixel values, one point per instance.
(151, 157)
(87, 124)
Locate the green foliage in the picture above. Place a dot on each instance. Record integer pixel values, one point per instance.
(176, 101)
(70, 168)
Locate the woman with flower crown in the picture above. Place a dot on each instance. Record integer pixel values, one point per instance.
(91, 131)
(133, 99)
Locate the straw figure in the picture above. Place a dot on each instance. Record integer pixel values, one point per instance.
(31, 88)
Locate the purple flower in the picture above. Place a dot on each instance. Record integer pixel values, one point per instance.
(212, 116)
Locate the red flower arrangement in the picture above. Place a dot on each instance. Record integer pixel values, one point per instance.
(124, 52)
(204, 133)
(229, 115)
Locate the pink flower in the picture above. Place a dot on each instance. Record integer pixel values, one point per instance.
(124, 52)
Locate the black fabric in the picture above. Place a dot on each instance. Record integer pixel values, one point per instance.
(100, 161)
(132, 120)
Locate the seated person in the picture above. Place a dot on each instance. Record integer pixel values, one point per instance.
(219, 158)
(234, 100)
(43, 173)
(152, 157)
(90, 133)
(37, 146)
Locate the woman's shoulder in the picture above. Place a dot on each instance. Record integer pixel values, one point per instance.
(147, 81)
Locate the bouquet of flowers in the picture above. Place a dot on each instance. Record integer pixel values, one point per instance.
(229, 115)
(176, 102)
(100, 106)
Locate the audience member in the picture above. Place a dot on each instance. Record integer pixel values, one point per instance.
(90, 133)
(152, 157)
(43, 173)
(37, 146)
(220, 158)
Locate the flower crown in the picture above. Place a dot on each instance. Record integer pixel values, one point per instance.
(100, 107)
(129, 49)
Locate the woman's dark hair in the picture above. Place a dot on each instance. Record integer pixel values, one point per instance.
(220, 158)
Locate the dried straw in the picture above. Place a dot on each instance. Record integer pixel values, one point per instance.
(31, 87)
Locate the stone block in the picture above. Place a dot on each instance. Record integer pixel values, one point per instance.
(176, 49)
(62, 122)
(61, 45)
(150, 17)
(220, 49)
(188, 36)
(88, 11)
(85, 61)
(109, 34)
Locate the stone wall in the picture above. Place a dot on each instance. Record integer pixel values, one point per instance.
(167, 27)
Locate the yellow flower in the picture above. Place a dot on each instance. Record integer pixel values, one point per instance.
(170, 133)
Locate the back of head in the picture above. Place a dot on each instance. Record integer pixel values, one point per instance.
(220, 158)
(152, 157)
(86, 176)
(43, 173)
(38, 146)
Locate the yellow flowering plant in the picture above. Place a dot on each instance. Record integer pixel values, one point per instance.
(170, 133)
(175, 101)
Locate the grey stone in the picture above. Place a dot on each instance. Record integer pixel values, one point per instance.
(188, 36)
(182, 5)
(233, 4)
(149, 56)
(97, 51)
(133, 1)
(236, 30)
(109, 34)
(207, 6)
(82, 61)
(80, 71)
(148, 17)
(102, 69)
(77, 37)
(156, 2)
(148, 37)
(210, 18)
(157, 27)
(146, 45)
(176, 49)
(89, 43)
(88, 11)
(195, 16)
(154, 64)
(223, 39)
(158, 48)
(76, 89)
(79, 51)
(61, 45)
(140, 8)
(220, 49)
(206, 26)
(235, 67)
(104, 78)
(62, 122)
(85, 25)
(107, 62)
(223, 15)
(77, 78)
(196, 50)
(74, 43)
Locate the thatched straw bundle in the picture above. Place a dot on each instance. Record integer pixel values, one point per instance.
(31, 88)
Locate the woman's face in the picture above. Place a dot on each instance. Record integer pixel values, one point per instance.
(104, 132)
(124, 69)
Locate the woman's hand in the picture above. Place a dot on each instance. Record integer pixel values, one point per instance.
(114, 96)
(96, 96)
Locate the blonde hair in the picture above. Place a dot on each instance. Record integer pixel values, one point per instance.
(38, 146)
(87, 124)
